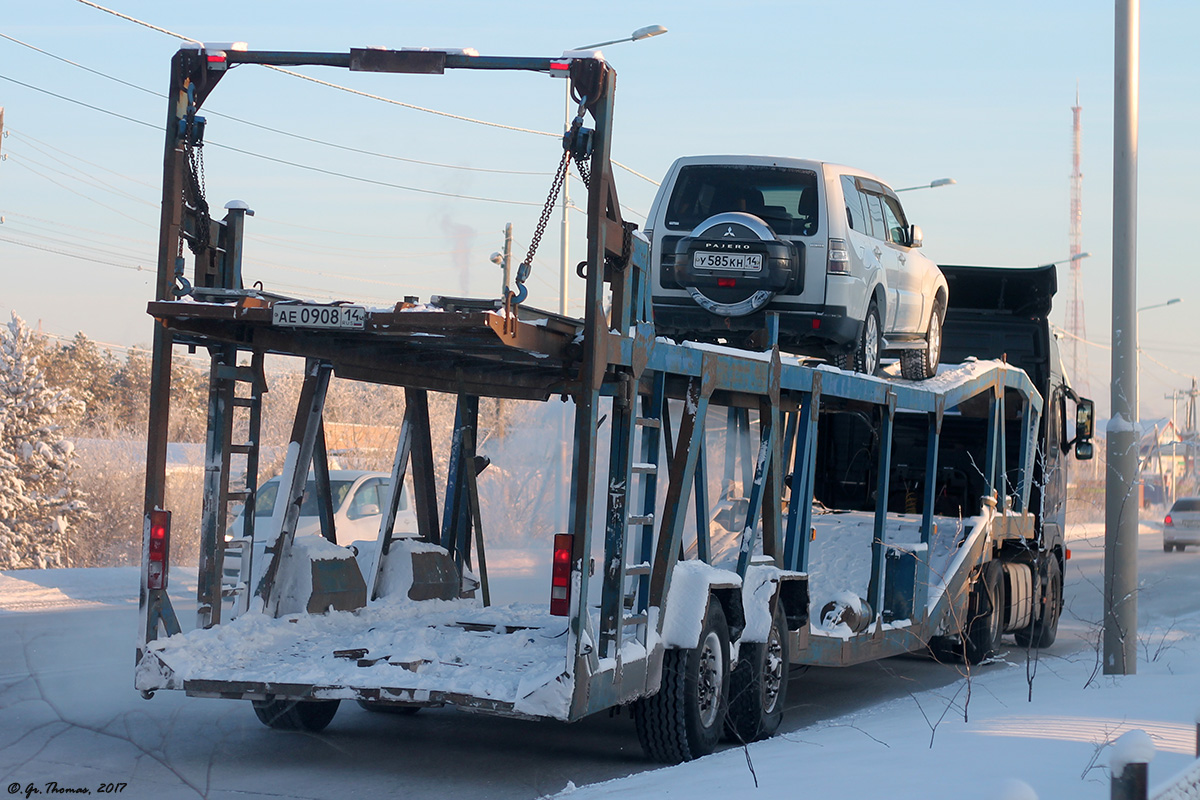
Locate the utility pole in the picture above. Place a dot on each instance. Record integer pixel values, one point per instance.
(504, 261)
(1120, 489)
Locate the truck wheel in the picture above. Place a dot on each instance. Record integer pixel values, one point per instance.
(1168, 547)
(1043, 630)
(919, 365)
(684, 719)
(985, 614)
(758, 686)
(296, 715)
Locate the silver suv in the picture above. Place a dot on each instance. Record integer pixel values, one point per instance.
(827, 247)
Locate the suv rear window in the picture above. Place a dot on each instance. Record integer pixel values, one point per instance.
(1187, 504)
(786, 199)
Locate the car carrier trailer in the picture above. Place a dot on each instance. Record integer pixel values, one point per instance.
(933, 542)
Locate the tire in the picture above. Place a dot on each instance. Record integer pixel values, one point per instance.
(864, 357)
(1168, 547)
(1043, 630)
(758, 687)
(296, 715)
(1179, 547)
(920, 365)
(684, 719)
(388, 708)
(985, 615)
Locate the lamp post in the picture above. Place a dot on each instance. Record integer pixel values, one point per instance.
(1138, 339)
(564, 266)
(1071, 260)
(931, 185)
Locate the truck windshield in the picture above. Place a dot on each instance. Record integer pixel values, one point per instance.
(264, 505)
(786, 199)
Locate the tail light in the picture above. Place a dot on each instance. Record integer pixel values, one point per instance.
(1168, 521)
(727, 282)
(160, 549)
(560, 575)
(839, 258)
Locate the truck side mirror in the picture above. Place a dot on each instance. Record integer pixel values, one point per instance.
(1085, 428)
(915, 237)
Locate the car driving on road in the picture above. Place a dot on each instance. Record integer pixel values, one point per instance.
(828, 247)
(1181, 526)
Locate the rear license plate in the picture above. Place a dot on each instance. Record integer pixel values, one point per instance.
(1189, 523)
(738, 262)
(318, 316)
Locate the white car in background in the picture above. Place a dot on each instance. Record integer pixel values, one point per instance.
(359, 498)
(1181, 526)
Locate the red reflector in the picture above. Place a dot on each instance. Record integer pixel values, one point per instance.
(1168, 521)
(1068, 558)
(216, 59)
(159, 549)
(727, 282)
(816, 324)
(560, 66)
(560, 575)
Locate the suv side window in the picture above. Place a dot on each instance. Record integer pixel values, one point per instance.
(894, 215)
(856, 216)
(875, 209)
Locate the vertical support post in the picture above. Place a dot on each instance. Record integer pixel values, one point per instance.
(878, 542)
(216, 485)
(161, 346)
(388, 523)
(653, 408)
(616, 528)
(768, 426)
(989, 457)
(1030, 420)
(703, 540)
(1121, 476)
(235, 230)
(456, 525)
(595, 353)
(796, 544)
(416, 411)
(1002, 450)
(932, 443)
(683, 465)
(309, 409)
(324, 492)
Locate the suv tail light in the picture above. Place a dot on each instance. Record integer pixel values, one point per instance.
(160, 549)
(1168, 520)
(560, 575)
(839, 258)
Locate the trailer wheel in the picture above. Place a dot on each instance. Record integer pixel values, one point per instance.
(758, 686)
(684, 719)
(296, 715)
(985, 614)
(922, 364)
(1043, 630)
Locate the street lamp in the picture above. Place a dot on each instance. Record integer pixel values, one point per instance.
(1138, 343)
(1071, 260)
(931, 185)
(564, 266)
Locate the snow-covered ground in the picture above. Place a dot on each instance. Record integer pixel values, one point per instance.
(68, 713)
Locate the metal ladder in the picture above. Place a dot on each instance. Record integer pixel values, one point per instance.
(224, 402)
(632, 497)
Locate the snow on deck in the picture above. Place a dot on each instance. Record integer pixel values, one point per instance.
(840, 556)
(504, 654)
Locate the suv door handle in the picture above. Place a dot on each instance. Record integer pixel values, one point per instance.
(902, 258)
(878, 253)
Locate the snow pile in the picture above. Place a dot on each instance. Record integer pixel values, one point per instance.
(1134, 747)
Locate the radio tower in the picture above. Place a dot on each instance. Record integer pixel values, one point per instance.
(1075, 321)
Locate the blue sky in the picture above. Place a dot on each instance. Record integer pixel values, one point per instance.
(912, 92)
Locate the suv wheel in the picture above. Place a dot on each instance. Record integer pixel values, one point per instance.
(919, 365)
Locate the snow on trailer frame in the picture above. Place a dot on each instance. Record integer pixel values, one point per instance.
(319, 627)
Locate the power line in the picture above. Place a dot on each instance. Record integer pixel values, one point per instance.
(32, 246)
(275, 130)
(26, 136)
(332, 85)
(285, 162)
(23, 165)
